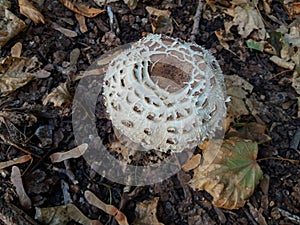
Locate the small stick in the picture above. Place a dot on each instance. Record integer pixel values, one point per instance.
(197, 17)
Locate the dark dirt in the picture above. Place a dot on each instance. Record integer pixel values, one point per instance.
(278, 193)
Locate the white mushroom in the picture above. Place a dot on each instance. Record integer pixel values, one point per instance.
(164, 94)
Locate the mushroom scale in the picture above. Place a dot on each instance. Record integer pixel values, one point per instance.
(165, 94)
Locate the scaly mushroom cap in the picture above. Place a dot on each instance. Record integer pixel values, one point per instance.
(164, 94)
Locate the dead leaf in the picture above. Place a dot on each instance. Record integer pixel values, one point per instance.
(282, 63)
(231, 176)
(28, 10)
(16, 50)
(192, 163)
(161, 21)
(145, 213)
(252, 131)
(81, 20)
(59, 96)
(10, 27)
(16, 180)
(64, 31)
(15, 161)
(16, 72)
(62, 215)
(248, 20)
(81, 9)
(109, 209)
(131, 3)
(238, 89)
(71, 154)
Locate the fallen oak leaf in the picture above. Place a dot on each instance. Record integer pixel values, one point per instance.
(232, 175)
(62, 215)
(146, 213)
(16, 180)
(15, 161)
(109, 209)
(28, 10)
(71, 154)
(81, 9)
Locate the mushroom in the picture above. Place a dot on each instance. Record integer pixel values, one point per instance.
(164, 94)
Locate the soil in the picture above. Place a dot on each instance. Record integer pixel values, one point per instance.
(275, 201)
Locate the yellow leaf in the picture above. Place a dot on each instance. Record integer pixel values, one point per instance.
(28, 10)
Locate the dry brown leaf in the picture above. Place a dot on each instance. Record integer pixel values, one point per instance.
(238, 89)
(62, 215)
(192, 163)
(64, 31)
(81, 9)
(16, 180)
(248, 20)
(16, 50)
(252, 131)
(71, 154)
(145, 213)
(82, 25)
(161, 21)
(282, 63)
(15, 161)
(28, 10)
(109, 209)
(16, 72)
(59, 96)
(230, 176)
(10, 27)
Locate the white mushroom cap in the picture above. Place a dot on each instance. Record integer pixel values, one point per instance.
(164, 94)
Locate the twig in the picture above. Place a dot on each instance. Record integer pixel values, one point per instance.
(196, 19)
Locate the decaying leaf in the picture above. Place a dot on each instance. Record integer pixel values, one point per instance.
(193, 162)
(16, 72)
(16, 50)
(231, 176)
(161, 21)
(59, 96)
(248, 20)
(145, 213)
(10, 26)
(28, 10)
(64, 31)
(16, 180)
(282, 63)
(81, 9)
(131, 3)
(71, 154)
(109, 209)
(15, 161)
(252, 131)
(238, 89)
(82, 25)
(62, 215)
